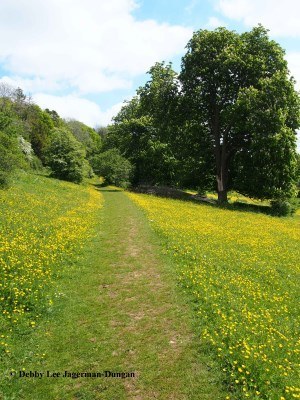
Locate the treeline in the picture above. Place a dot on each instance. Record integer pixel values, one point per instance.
(227, 121)
(34, 138)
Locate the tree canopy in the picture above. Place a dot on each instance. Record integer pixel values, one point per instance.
(239, 89)
(65, 156)
(32, 138)
(226, 121)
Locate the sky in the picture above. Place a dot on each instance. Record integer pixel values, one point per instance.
(83, 58)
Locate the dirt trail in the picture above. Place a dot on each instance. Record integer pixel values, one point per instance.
(153, 325)
(120, 311)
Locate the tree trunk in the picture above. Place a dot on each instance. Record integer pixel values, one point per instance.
(222, 174)
(220, 155)
(222, 197)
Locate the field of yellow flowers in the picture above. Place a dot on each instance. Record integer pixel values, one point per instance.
(242, 272)
(43, 224)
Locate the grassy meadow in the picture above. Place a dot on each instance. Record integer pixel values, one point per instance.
(86, 288)
(44, 223)
(63, 248)
(241, 270)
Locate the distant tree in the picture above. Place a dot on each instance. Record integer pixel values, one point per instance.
(57, 121)
(143, 142)
(21, 103)
(39, 126)
(238, 90)
(114, 168)
(6, 94)
(90, 139)
(65, 156)
(102, 131)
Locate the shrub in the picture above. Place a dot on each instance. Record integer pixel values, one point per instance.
(283, 207)
(36, 164)
(88, 170)
(11, 157)
(65, 156)
(4, 180)
(113, 167)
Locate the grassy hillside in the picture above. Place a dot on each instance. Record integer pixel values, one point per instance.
(84, 287)
(44, 223)
(85, 290)
(242, 272)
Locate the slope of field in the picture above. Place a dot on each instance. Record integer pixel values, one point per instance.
(44, 223)
(85, 292)
(242, 272)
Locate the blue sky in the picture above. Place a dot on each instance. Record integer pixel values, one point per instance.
(83, 58)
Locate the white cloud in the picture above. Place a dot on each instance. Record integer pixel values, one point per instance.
(281, 17)
(293, 60)
(31, 85)
(91, 45)
(72, 106)
(190, 7)
(214, 22)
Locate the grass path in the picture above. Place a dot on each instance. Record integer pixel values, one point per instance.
(119, 311)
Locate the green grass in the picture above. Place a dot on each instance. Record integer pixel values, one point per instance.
(111, 302)
(44, 224)
(241, 271)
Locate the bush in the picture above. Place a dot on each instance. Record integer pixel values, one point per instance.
(283, 207)
(88, 170)
(113, 167)
(4, 180)
(11, 157)
(65, 156)
(36, 164)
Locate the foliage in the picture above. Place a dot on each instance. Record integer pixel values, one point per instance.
(114, 168)
(26, 148)
(11, 157)
(39, 127)
(31, 130)
(227, 121)
(90, 139)
(21, 103)
(267, 164)
(13, 101)
(25, 119)
(298, 172)
(65, 156)
(136, 137)
(159, 100)
(283, 207)
(102, 131)
(241, 270)
(238, 88)
(5, 120)
(57, 121)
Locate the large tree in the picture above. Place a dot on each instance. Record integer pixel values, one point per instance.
(238, 90)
